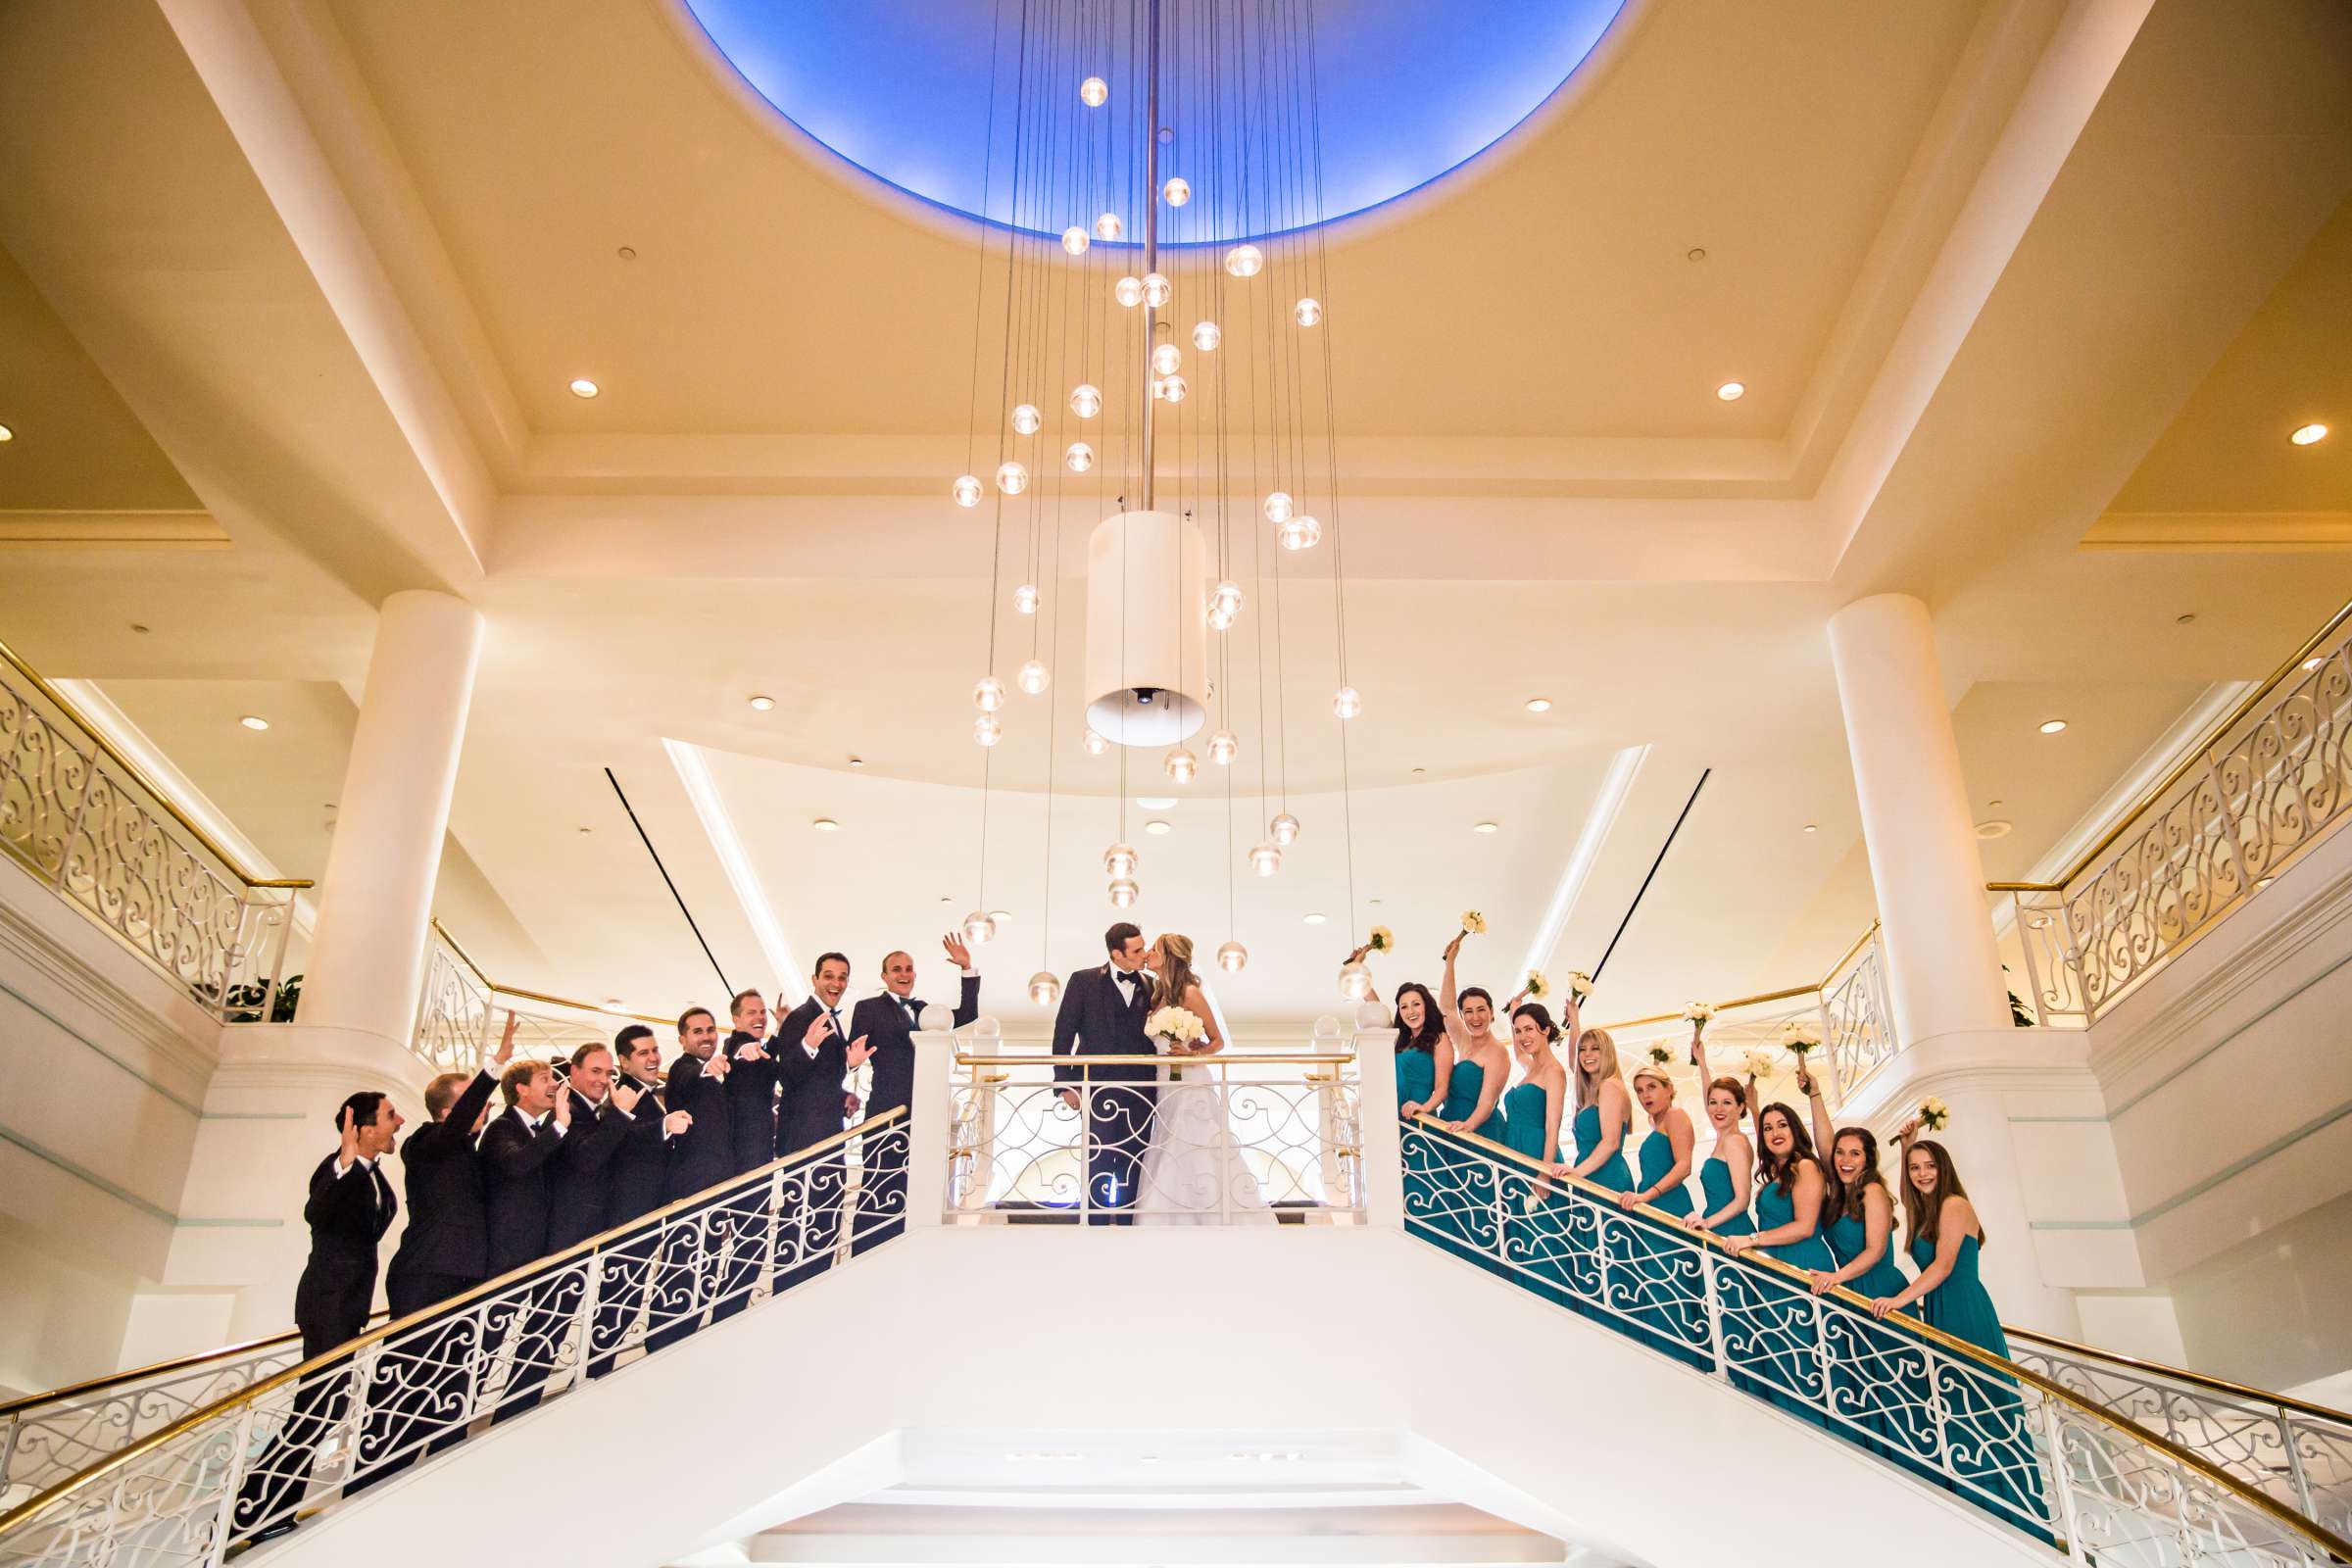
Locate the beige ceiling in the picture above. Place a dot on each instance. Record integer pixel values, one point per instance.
(1992, 270)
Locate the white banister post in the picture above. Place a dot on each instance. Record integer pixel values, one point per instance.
(1383, 1159)
(930, 1128)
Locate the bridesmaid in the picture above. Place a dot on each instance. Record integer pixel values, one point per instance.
(1724, 1180)
(1424, 1059)
(1766, 1316)
(1992, 1457)
(1672, 1309)
(1463, 1212)
(1600, 1255)
(1534, 1213)
(1867, 1365)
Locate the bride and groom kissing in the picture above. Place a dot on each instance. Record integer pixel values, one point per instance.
(1157, 1141)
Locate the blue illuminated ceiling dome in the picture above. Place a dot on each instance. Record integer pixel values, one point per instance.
(922, 93)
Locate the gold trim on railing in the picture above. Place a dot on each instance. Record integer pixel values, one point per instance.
(520, 995)
(28, 1509)
(2196, 1380)
(1789, 995)
(155, 1370)
(1256, 1059)
(138, 775)
(2278, 1512)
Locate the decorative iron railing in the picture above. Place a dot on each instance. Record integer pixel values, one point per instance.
(2021, 1446)
(85, 819)
(2272, 780)
(2294, 1450)
(460, 1012)
(1229, 1139)
(185, 1491)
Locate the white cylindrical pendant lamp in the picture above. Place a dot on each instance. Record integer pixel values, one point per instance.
(1146, 628)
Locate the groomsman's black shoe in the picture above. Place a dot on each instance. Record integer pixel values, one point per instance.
(270, 1532)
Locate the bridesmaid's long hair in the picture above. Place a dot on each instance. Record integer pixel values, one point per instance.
(1587, 1085)
(1771, 1167)
(1921, 1214)
(1176, 975)
(1843, 1201)
(1432, 1022)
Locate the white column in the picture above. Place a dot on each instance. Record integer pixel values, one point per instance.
(366, 958)
(1944, 971)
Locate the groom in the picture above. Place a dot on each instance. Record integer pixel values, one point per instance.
(1103, 1012)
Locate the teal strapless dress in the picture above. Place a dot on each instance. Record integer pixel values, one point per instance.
(1715, 1192)
(1416, 1077)
(1991, 1458)
(1534, 1212)
(1671, 1302)
(1599, 1258)
(1772, 1326)
(1460, 1212)
(1875, 1370)
(1416, 1085)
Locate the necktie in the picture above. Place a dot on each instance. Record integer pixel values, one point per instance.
(908, 1002)
(834, 1013)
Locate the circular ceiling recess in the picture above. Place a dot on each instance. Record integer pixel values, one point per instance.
(1407, 91)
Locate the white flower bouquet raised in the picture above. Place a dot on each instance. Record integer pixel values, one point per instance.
(1173, 1026)
(1934, 1114)
(1697, 1015)
(1474, 925)
(1660, 1056)
(1800, 1036)
(1759, 1063)
(1580, 985)
(1383, 939)
(1538, 988)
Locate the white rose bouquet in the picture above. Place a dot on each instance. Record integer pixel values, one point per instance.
(1934, 1114)
(1383, 939)
(1759, 1063)
(1800, 1036)
(1697, 1015)
(1173, 1026)
(1580, 985)
(1474, 925)
(1538, 988)
(1660, 1056)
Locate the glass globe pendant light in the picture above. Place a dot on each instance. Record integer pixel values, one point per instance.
(987, 730)
(1093, 742)
(1346, 702)
(1045, 988)
(1093, 92)
(1156, 289)
(1278, 505)
(1176, 191)
(978, 927)
(1170, 387)
(1026, 419)
(1265, 859)
(1166, 359)
(1284, 830)
(1079, 458)
(1108, 227)
(1119, 859)
(1245, 261)
(1013, 476)
(1224, 606)
(1355, 981)
(1033, 677)
(1233, 957)
(1074, 240)
(1124, 892)
(1026, 599)
(1206, 335)
(1223, 747)
(1301, 532)
(1086, 399)
(966, 490)
(1307, 312)
(988, 694)
(1180, 765)
(1128, 291)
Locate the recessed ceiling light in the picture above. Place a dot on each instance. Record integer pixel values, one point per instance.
(582, 387)
(763, 703)
(2305, 435)
(612, 1002)
(825, 825)
(1156, 803)
(1731, 391)
(1418, 772)
(1315, 919)
(1696, 253)
(1155, 825)
(1487, 827)
(1812, 827)
(253, 722)
(587, 830)
(2051, 726)
(857, 761)
(1000, 916)
(1995, 805)
(1995, 829)
(2187, 619)
(6, 434)
(1539, 705)
(141, 630)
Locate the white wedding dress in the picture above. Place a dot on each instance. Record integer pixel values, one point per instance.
(1193, 1172)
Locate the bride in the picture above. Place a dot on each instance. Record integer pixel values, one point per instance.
(1192, 1159)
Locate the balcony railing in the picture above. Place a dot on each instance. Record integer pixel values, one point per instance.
(2271, 781)
(86, 821)
(461, 1011)
(2018, 1443)
(180, 1494)
(1220, 1140)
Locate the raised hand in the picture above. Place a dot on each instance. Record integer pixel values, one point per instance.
(563, 1103)
(1907, 1131)
(1456, 945)
(1362, 949)
(347, 1135)
(857, 1052)
(1804, 1083)
(625, 1097)
(819, 1027)
(674, 1124)
(506, 1046)
(958, 955)
(750, 1050)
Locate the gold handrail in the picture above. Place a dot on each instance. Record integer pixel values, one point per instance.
(1791, 992)
(138, 775)
(24, 1511)
(1303, 1059)
(2200, 1379)
(153, 1370)
(2278, 1512)
(520, 995)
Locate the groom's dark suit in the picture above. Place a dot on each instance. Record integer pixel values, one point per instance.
(1101, 1017)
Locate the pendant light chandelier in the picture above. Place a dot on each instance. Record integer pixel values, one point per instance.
(1152, 358)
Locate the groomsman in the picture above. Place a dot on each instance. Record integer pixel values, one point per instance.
(517, 1148)
(351, 1206)
(890, 1021)
(701, 1156)
(445, 1252)
(1102, 1014)
(633, 1189)
(604, 1111)
(752, 1143)
(812, 1060)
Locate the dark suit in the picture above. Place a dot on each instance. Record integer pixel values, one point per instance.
(808, 1212)
(420, 1385)
(751, 1103)
(579, 1176)
(518, 1192)
(633, 1186)
(687, 1275)
(348, 1215)
(885, 1023)
(1116, 1101)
